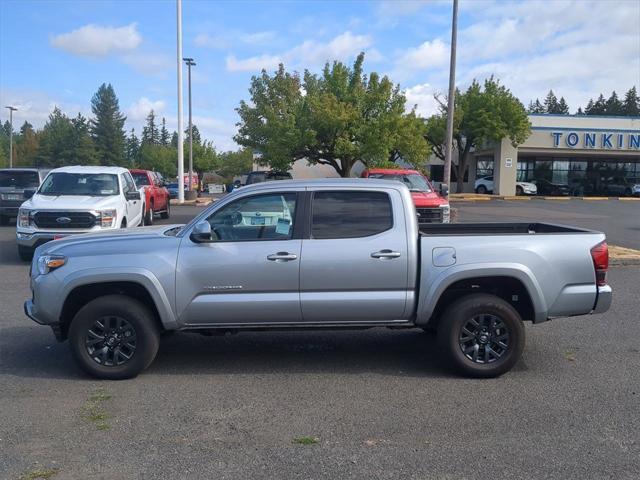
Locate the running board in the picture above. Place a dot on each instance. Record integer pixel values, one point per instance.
(298, 325)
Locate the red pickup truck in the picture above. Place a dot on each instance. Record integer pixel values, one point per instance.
(155, 195)
(431, 207)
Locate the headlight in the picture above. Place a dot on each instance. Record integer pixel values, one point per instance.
(46, 263)
(24, 217)
(107, 218)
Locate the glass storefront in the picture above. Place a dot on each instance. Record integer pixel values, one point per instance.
(583, 176)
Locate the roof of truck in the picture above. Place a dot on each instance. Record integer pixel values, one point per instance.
(90, 169)
(327, 182)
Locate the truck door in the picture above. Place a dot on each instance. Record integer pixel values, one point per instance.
(355, 263)
(250, 273)
(134, 206)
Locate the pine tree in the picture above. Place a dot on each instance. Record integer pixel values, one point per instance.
(631, 103)
(197, 140)
(84, 151)
(133, 148)
(589, 108)
(579, 112)
(56, 141)
(107, 128)
(551, 103)
(26, 146)
(613, 105)
(599, 107)
(164, 133)
(150, 132)
(174, 139)
(563, 108)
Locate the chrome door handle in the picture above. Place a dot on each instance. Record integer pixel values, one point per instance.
(385, 254)
(282, 257)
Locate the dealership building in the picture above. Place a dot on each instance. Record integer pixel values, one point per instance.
(593, 155)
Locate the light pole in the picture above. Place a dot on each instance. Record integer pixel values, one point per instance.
(190, 63)
(180, 127)
(11, 110)
(452, 94)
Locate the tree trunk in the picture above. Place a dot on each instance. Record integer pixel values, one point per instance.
(462, 166)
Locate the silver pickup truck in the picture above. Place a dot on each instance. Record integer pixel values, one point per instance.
(315, 254)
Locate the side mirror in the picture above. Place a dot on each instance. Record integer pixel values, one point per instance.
(28, 194)
(132, 195)
(201, 233)
(444, 190)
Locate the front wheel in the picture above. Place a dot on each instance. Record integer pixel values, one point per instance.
(167, 212)
(482, 334)
(148, 216)
(481, 189)
(519, 190)
(114, 337)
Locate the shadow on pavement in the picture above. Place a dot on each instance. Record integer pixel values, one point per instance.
(8, 246)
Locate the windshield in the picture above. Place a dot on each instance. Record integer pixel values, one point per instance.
(413, 181)
(19, 179)
(140, 179)
(92, 184)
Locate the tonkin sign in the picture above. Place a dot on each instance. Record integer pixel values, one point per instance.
(597, 140)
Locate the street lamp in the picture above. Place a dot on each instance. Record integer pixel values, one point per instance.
(451, 98)
(11, 110)
(190, 63)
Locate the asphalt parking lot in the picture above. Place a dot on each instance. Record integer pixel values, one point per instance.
(364, 404)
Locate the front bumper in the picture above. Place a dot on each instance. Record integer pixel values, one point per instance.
(603, 300)
(28, 311)
(35, 239)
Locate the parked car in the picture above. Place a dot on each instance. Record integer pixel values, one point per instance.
(77, 200)
(430, 206)
(172, 188)
(623, 186)
(331, 253)
(261, 176)
(545, 187)
(155, 195)
(14, 182)
(485, 185)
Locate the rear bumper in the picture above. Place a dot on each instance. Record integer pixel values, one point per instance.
(603, 300)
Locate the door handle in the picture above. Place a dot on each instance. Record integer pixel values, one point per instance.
(282, 257)
(386, 253)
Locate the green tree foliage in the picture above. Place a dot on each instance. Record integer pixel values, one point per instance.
(232, 164)
(174, 139)
(536, 107)
(133, 147)
(150, 132)
(599, 107)
(56, 141)
(107, 126)
(158, 158)
(164, 134)
(563, 108)
(631, 103)
(481, 115)
(343, 116)
(83, 148)
(550, 103)
(26, 145)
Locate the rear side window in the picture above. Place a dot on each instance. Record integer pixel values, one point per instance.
(350, 214)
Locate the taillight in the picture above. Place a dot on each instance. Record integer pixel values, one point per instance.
(600, 256)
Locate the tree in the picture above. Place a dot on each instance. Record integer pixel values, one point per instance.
(197, 139)
(164, 133)
(158, 158)
(579, 112)
(150, 132)
(84, 151)
(631, 103)
(481, 115)
(598, 107)
(613, 106)
(536, 107)
(56, 147)
(26, 145)
(107, 128)
(342, 117)
(174, 139)
(232, 164)
(133, 147)
(551, 103)
(562, 107)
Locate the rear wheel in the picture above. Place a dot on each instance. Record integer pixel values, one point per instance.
(114, 337)
(481, 189)
(148, 219)
(519, 190)
(482, 334)
(25, 253)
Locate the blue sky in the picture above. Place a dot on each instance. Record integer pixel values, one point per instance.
(58, 52)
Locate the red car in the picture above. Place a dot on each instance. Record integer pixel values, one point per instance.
(431, 207)
(156, 196)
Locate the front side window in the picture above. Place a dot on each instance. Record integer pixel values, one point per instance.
(260, 217)
(92, 184)
(350, 214)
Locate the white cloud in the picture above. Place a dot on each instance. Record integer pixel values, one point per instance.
(34, 106)
(98, 41)
(429, 54)
(422, 96)
(139, 110)
(149, 63)
(308, 53)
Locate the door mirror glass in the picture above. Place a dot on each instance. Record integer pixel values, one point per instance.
(132, 195)
(444, 190)
(201, 233)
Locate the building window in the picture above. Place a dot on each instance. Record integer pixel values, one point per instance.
(437, 173)
(484, 166)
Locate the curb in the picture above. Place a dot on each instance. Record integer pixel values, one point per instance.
(485, 198)
(623, 255)
(193, 203)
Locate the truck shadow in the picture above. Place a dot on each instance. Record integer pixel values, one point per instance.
(33, 352)
(9, 249)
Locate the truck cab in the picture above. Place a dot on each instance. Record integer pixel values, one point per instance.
(431, 207)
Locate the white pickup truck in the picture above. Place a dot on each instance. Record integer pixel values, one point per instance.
(78, 200)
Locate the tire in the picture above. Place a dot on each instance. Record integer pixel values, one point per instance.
(4, 220)
(485, 310)
(148, 216)
(519, 190)
(122, 316)
(25, 253)
(481, 189)
(167, 213)
(124, 223)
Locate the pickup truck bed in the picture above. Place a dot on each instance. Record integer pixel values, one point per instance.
(522, 228)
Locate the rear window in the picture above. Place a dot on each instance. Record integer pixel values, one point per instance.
(350, 214)
(19, 179)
